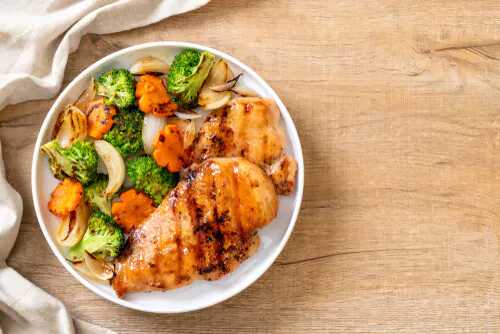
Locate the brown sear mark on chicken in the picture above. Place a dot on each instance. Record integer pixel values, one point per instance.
(248, 128)
(203, 230)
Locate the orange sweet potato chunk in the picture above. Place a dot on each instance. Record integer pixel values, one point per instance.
(152, 96)
(169, 148)
(132, 209)
(65, 197)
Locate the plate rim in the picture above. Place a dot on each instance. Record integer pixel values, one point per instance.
(264, 265)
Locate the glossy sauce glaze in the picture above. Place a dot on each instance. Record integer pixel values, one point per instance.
(248, 128)
(203, 230)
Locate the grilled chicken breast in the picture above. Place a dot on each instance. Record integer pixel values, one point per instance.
(203, 230)
(249, 128)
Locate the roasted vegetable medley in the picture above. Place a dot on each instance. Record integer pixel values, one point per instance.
(118, 150)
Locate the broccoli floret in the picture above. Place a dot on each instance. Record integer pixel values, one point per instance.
(117, 86)
(78, 161)
(103, 239)
(187, 73)
(147, 176)
(94, 195)
(126, 133)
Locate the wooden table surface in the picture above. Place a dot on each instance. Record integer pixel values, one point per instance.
(397, 104)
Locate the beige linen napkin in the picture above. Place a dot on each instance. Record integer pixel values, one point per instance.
(36, 37)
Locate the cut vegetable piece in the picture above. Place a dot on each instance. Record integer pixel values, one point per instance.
(187, 74)
(220, 75)
(62, 231)
(132, 209)
(103, 239)
(147, 176)
(82, 268)
(152, 96)
(149, 64)
(65, 197)
(100, 118)
(95, 196)
(98, 268)
(217, 104)
(151, 126)
(73, 227)
(169, 149)
(114, 165)
(229, 85)
(117, 86)
(126, 133)
(71, 125)
(87, 97)
(78, 161)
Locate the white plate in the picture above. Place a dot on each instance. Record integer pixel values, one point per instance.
(200, 294)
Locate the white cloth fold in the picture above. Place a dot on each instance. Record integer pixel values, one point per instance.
(36, 37)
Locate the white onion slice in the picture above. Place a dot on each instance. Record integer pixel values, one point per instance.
(114, 164)
(149, 65)
(185, 116)
(87, 97)
(99, 269)
(83, 269)
(63, 229)
(69, 237)
(101, 167)
(150, 128)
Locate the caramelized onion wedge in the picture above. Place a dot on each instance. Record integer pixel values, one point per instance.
(86, 98)
(219, 75)
(149, 65)
(114, 165)
(73, 227)
(71, 125)
(216, 104)
(99, 269)
(229, 85)
(62, 231)
(83, 269)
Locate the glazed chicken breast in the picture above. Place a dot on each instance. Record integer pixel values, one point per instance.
(203, 229)
(249, 128)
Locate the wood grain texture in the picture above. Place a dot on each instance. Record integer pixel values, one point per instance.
(398, 107)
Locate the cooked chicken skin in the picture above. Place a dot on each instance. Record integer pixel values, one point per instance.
(249, 128)
(203, 230)
(282, 173)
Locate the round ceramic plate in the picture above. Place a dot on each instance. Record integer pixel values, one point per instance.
(200, 294)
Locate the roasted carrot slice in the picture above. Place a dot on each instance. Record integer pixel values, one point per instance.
(168, 148)
(65, 197)
(100, 118)
(132, 209)
(152, 96)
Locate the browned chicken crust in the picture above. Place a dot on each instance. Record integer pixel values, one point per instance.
(249, 128)
(203, 230)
